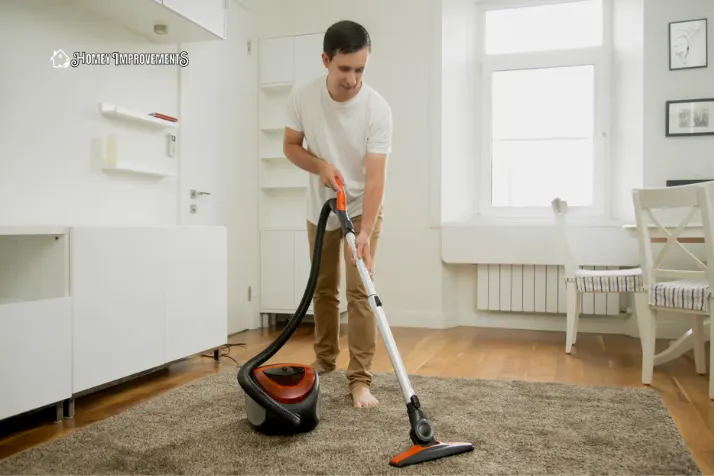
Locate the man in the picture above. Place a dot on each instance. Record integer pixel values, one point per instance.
(348, 129)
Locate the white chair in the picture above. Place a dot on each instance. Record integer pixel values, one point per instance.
(670, 288)
(579, 281)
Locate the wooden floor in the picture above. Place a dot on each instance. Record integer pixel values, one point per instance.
(459, 352)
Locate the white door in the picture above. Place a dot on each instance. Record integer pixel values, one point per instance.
(218, 154)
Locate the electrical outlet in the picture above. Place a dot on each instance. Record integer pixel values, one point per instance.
(171, 139)
(193, 208)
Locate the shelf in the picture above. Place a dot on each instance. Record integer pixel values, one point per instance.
(277, 87)
(134, 169)
(272, 129)
(111, 110)
(279, 186)
(32, 230)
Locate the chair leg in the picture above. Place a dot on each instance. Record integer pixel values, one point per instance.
(573, 300)
(648, 333)
(711, 358)
(698, 335)
(578, 300)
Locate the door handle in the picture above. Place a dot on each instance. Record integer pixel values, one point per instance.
(196, 193)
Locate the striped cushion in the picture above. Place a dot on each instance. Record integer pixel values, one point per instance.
(609, 281)
(681, 294)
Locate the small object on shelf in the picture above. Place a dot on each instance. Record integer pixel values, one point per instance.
(112, 110)
(163, 116)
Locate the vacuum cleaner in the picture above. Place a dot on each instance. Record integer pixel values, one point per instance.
(283, 398)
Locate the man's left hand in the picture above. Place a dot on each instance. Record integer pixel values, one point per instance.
(363, 251)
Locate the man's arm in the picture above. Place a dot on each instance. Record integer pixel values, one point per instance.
(375, 177)
(296, 153)
(379, 145)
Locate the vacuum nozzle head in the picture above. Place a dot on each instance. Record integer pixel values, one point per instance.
(422, 453)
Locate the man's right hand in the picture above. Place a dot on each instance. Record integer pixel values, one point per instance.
(328, 172)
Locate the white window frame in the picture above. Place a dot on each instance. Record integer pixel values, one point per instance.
(599, 57)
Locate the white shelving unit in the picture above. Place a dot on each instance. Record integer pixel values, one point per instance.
(285, 253)
(82, 308)
(125, 153)
(35, 319)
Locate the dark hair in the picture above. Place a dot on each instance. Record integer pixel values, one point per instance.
(346, 37)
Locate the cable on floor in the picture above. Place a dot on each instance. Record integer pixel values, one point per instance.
(227, 354)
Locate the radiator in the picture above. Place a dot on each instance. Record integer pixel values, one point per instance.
(539, 289)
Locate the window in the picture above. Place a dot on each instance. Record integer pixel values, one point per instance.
(543, 96)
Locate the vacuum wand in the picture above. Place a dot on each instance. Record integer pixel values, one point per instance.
(425, 446)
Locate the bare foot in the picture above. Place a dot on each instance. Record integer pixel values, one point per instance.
(362, 397)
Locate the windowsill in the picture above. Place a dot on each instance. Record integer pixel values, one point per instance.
(533, 222)
(535, 241)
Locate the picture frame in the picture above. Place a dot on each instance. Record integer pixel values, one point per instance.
(689, 117)
(688, 44)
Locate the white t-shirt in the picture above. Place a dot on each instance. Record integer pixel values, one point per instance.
(342, 134)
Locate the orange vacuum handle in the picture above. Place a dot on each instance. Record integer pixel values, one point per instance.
(341, 197)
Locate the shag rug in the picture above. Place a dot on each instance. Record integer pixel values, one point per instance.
(516, 428)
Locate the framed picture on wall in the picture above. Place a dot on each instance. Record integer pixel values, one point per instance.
(688, 44)
(690, 117)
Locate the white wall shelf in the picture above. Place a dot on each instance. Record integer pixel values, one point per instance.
(138, 170)
(112, 110)
(277, 87)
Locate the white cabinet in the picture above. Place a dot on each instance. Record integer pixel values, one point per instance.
(308, 56)
(285, 263)
(196, 290)
(118, 287)
(84, 307)
(277, 264)
(35, 319)
(291, 59)
(167, 21)
(303, 262)
(36, 351)
(144, 297)
(276, 60)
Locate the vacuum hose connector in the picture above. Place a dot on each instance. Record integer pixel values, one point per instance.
(246, 372)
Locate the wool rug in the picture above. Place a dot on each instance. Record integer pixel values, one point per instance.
(516, 427)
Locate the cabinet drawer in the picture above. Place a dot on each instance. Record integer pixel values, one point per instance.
(36, 354)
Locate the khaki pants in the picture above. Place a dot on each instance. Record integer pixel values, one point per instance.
(361, 325)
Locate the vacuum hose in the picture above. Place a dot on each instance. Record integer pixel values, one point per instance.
(246, 372)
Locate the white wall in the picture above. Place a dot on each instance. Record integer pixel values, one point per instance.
(627, 131)
(50, 117)
(460, 118)
(674, 157)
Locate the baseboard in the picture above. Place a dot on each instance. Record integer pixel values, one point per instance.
(544, 322)
(668, 327)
